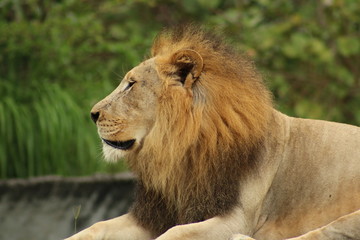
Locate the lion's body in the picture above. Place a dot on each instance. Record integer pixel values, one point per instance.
(212, 156)
(317, 176)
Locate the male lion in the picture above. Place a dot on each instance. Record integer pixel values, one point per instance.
(214, 158)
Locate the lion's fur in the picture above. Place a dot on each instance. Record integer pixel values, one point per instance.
(201, 144)
(229, 106)
(207, 144)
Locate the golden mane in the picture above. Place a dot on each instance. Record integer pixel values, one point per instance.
(207, 137)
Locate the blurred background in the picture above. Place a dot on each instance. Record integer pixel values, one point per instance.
(58, 58)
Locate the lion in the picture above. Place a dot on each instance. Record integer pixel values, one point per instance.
(214, 158)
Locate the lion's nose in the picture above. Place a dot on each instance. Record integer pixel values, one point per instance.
(95, 116)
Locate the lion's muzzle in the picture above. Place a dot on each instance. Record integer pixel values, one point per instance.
(122, 145)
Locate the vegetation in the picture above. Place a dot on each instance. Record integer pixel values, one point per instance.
(58, 58)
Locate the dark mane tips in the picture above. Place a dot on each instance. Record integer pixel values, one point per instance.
(193, 37)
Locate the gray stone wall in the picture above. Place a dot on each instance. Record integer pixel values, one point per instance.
(43, 208)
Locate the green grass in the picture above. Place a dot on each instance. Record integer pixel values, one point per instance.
(44, 131)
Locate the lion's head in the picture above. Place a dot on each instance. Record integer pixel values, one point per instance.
(126, 116)
(185, 112)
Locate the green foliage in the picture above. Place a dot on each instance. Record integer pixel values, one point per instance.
(58, 58)
(309, 53)
(40, 135)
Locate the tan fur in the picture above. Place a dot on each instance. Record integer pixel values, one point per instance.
(198, 128)
(212, 156)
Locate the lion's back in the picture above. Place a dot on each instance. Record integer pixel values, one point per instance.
(319, 176)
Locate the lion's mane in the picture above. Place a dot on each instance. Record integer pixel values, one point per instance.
(203, 142)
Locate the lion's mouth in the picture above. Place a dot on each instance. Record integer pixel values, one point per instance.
(122, 145)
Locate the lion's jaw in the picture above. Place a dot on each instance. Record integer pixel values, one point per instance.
(113, 153)
(125, 117)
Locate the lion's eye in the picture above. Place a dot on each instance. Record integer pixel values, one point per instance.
(130, 84)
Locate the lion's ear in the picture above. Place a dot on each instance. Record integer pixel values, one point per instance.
(189, 65)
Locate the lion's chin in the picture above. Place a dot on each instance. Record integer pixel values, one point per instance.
(112, 154)
(115, 150)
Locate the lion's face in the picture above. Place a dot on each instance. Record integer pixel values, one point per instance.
(126, 116)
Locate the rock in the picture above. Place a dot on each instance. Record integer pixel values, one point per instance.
(44, 207)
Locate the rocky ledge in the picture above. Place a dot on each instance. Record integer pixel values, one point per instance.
(48, 207)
